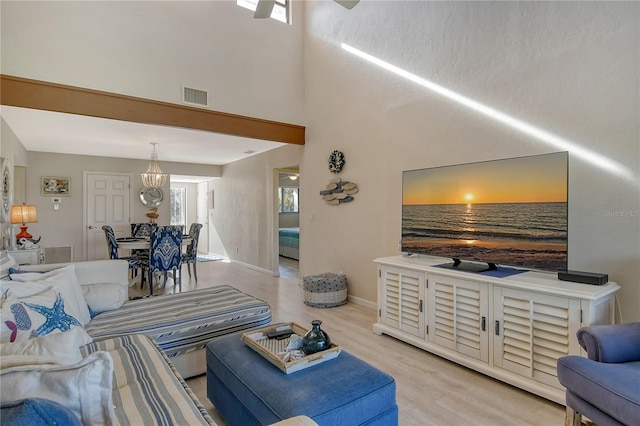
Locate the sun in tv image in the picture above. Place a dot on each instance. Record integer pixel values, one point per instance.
(511, 212)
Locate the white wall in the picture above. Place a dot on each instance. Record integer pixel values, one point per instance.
(289, 220)
(569, 68)
(244, 219)
(150, 49)
(14, 152)
(65, 226)
(11, 147)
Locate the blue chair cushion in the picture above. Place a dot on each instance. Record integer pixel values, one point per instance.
(247, 389)
(166, 246)
(36, 412)
(612, 388)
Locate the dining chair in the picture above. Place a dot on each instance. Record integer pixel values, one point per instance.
(166, 254)
(142, 230)
(190, 256)
(135, 263)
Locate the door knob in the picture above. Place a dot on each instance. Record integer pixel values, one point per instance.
(91, 227)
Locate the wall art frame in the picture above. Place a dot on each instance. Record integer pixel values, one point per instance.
(55, 186)
(6, 189)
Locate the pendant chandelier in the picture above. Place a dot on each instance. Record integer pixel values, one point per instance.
(154, 177)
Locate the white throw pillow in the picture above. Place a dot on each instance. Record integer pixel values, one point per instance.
(62, 279)
(105, 297)
(34, 316)
(85, 387)
(6, 261)
(57, 348)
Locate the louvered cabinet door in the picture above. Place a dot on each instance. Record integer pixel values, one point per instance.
(532, 331)
(458, 315)
(403, 294)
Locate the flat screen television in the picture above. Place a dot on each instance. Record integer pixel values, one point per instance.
(510, 212)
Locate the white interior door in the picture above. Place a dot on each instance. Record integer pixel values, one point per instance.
(203, 217)
(107, 202)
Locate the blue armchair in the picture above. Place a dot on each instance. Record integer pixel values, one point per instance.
(606, 386)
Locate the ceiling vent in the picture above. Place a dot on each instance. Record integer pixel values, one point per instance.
(195, 97)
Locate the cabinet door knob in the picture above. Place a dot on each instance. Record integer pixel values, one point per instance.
(497, 328)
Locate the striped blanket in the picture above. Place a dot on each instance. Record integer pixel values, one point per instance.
(146, 388)
(183, 322)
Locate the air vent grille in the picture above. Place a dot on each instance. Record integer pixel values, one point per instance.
(58, 254)
(196, 97)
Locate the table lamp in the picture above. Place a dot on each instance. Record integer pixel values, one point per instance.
(23, 214)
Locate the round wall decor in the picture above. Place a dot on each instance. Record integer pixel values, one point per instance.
(336, 161)
(151, 197)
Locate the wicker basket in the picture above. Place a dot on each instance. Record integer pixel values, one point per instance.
(325, 290)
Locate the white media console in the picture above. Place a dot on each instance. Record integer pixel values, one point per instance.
(513, 329)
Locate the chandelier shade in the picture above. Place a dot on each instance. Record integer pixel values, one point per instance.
(154, 177)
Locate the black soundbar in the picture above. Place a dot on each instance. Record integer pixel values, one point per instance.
(583, 277)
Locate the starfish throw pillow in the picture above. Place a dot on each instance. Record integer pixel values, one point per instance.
(63, 280)
(37, 315)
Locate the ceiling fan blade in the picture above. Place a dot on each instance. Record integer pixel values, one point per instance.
(264, 8)
(349, 4)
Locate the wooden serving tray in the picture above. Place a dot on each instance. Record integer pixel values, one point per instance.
(268, 348)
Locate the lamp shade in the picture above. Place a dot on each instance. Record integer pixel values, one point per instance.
(23, 214)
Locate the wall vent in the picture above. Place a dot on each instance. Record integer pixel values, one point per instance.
(210, 199)
(58, 254)
(196, 97)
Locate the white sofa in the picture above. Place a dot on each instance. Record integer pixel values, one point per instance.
(125, 376)
(181, 324)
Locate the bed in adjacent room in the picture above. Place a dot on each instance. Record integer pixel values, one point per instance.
(289, 242)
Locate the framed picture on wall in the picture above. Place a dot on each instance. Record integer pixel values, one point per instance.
(6, 188)
(56, 186)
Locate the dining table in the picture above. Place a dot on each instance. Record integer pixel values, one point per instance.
(143, 243)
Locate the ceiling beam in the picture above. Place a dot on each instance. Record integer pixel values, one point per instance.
(43, 95)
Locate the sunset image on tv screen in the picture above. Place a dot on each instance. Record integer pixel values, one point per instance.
(510, 212)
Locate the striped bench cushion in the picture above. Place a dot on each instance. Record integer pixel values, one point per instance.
(146, 388)
(183, 322)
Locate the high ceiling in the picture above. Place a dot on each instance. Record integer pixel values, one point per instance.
(54, 132)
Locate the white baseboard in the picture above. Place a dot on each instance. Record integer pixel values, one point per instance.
(352, 299)
(363, 302)
(255, 268)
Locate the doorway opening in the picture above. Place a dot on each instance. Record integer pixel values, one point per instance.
(188, 204)
(288, 221)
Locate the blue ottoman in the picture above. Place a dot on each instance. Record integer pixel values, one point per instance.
(247, 390)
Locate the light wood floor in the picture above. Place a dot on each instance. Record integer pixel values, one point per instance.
(429, 390)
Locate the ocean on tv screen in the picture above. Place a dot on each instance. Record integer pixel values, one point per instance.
(531, 235)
